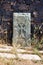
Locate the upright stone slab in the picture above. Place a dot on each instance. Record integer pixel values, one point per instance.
(21, 28)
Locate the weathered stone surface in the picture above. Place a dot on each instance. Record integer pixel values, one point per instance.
(21, 28)
(20, 56)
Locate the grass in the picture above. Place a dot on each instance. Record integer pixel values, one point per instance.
(4, 61)
(36, 51)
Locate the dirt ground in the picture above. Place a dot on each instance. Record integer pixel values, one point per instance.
(28, 62)
(20, 62)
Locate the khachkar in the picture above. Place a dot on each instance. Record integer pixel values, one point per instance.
(21, 28)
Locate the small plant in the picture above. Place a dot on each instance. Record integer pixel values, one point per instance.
(36, 52)
(14, 50)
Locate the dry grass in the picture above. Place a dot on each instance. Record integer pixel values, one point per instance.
(4, 61)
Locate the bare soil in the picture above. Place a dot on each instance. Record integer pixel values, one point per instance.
(20, 62)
